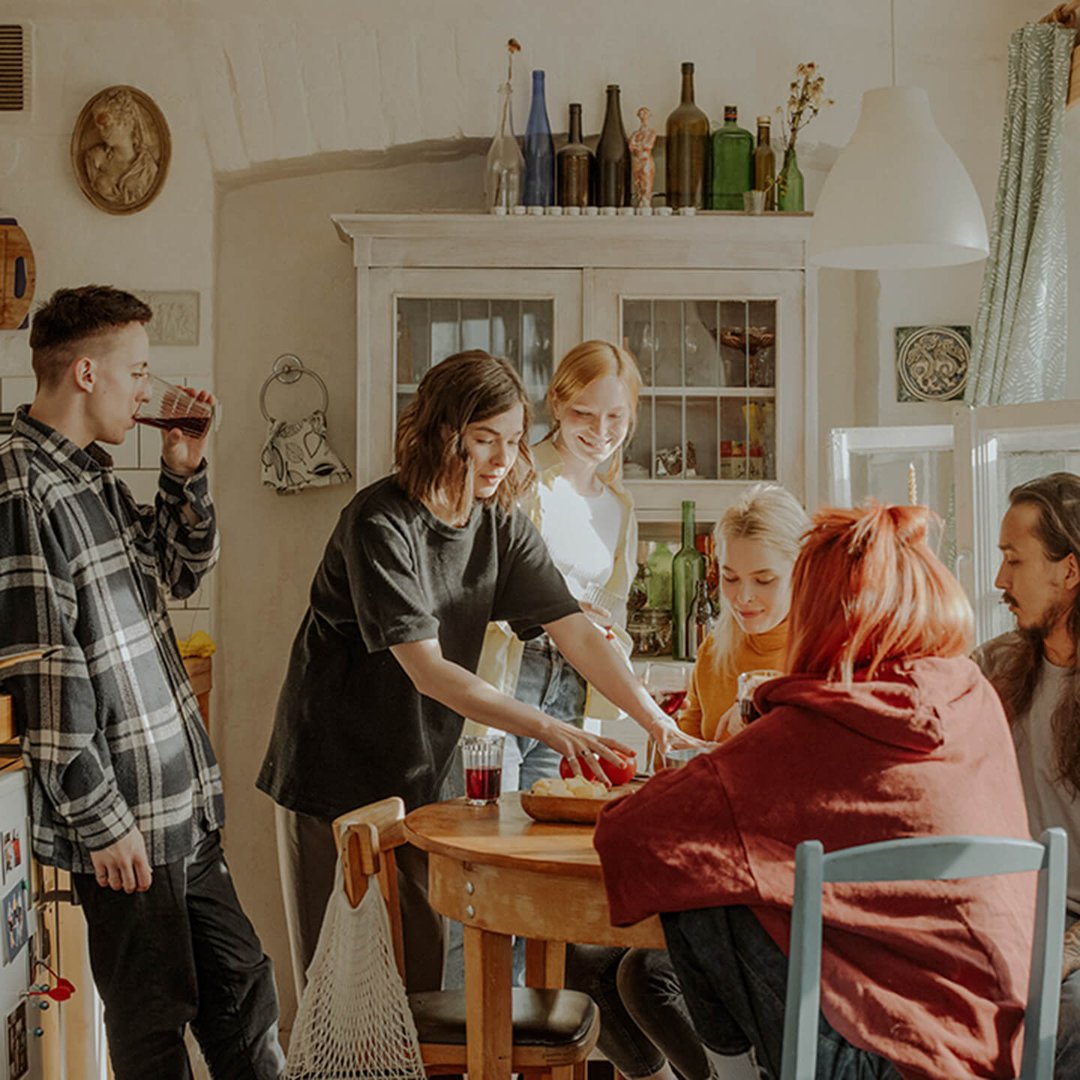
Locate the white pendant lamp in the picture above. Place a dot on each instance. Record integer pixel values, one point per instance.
(898, 197)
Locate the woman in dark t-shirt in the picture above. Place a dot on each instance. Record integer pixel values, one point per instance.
(383, 667)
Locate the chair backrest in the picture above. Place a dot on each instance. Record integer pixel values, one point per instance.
(927, 858)
(365, 839)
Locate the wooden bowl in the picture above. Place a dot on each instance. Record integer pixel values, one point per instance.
(579, 811)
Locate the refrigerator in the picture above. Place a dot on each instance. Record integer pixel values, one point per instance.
(963, 471)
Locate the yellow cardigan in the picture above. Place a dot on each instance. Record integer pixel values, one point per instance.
(500, 660)
(713, 691)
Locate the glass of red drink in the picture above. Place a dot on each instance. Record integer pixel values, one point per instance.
(749, 681)
(171, 406)
(481, 757)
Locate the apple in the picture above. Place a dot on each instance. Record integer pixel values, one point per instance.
(618, 773)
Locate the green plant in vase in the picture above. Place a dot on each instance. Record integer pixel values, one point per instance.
(806, 98)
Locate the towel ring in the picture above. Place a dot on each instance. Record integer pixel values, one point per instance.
(288, 368)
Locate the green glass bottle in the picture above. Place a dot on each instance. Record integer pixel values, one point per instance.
(790, 196)
(732, 163)
(687, 569)
(687, 148)
(765, 162)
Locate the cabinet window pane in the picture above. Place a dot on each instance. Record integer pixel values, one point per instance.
(413, 340)
(638, 336)
(700, 357)
(667, 340)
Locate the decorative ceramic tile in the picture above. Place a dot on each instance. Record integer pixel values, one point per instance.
(176, 317)
(932, 362)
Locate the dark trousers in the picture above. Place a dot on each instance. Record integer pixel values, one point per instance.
(734, 979)
(183, 952)
(307, 859)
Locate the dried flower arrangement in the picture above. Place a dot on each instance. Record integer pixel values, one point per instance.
(806, 98)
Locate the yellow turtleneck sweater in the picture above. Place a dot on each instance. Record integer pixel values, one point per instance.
(713, 691)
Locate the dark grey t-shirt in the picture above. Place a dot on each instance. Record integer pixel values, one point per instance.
(350, 726)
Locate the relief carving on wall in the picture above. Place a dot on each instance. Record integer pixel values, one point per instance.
(120, 150)
(932, 362)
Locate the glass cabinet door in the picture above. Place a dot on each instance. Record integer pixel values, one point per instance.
(1006, 445)
(720, 358)
(531, 319)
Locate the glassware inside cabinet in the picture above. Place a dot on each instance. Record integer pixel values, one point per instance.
(708, 406)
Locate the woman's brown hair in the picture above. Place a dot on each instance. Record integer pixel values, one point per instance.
(429, 451)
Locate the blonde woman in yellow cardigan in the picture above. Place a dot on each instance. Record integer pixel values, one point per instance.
(757, 541)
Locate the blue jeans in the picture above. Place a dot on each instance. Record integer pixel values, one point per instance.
(1067, 1058)
(734, 979)
(643, 1015)
(548, 681)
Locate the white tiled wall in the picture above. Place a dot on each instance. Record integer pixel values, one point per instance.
(136, 462)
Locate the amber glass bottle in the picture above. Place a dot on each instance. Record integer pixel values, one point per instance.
(574, 165)
(687, 148)
(613, 156)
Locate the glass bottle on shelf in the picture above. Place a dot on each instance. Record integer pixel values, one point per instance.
(660, 563)
(790, 195)
(765, 162)
(732, 163)
(687, 569)
(505, 165)
(639, 587)
(613, 156)
(539, 149)
(699, 619)
(574, 165)
(687, 133)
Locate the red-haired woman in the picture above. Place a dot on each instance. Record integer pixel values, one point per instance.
(883, 729)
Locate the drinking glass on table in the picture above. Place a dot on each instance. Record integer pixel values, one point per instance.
(171, 406)
(667, 683)
(481, 758)
(748, 682)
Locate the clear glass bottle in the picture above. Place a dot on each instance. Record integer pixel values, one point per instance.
(687, 569)
(765, 162)
(505, 165)
(574, 165)
(700, 619)
(732, 163)
(659, 564)
(539, 149)
(687, 149)
(612, 156)
(639, 587)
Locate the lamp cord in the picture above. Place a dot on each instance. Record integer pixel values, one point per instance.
(892, 37)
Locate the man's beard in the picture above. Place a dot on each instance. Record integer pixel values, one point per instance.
(1046, 625)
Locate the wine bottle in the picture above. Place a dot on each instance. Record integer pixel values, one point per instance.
(639, 587)
(574, 165)
(732, 163)
(687, 148)
(765, 162)
(613, 156)
(687, 569)
(504, 168)
(539, 149)
(700, 618)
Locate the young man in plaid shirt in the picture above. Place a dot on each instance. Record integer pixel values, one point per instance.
(126, 793)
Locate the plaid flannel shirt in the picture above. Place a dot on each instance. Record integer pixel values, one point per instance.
(110, 727)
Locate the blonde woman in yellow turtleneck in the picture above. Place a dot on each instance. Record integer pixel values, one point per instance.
(757, 540)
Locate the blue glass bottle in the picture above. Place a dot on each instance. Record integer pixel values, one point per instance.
(539, 150)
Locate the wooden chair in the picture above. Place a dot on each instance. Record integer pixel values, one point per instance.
(927, 858)
(553, 1030)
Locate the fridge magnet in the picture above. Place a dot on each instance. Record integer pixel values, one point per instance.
(18, 1057)
(932, 362)
(12, 851)
(120, 150)
(13, 912)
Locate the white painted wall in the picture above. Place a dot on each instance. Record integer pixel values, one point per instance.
(279, 112)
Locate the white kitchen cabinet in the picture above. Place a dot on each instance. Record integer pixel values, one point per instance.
(716, 308)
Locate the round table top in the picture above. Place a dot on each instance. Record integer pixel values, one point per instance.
(503, 835)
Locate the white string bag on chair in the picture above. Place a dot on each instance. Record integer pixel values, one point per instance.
(354, 1019)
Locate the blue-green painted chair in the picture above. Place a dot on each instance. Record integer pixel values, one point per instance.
(927, 858)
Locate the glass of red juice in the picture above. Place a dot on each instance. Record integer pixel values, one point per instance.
(481, 757)
(170, 406)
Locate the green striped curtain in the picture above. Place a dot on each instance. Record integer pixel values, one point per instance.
(1018, 348)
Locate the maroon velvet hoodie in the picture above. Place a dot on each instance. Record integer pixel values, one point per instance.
(931, 975)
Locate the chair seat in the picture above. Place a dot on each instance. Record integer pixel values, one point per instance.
(539, 1017)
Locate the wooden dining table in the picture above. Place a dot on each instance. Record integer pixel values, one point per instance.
(501, 874)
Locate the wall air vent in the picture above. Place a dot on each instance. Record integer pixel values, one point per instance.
(14, 68)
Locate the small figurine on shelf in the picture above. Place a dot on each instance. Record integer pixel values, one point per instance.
(642, 166)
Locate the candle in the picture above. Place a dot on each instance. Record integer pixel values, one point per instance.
(912, 485)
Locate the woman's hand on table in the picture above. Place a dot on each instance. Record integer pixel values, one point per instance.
(667, 736)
